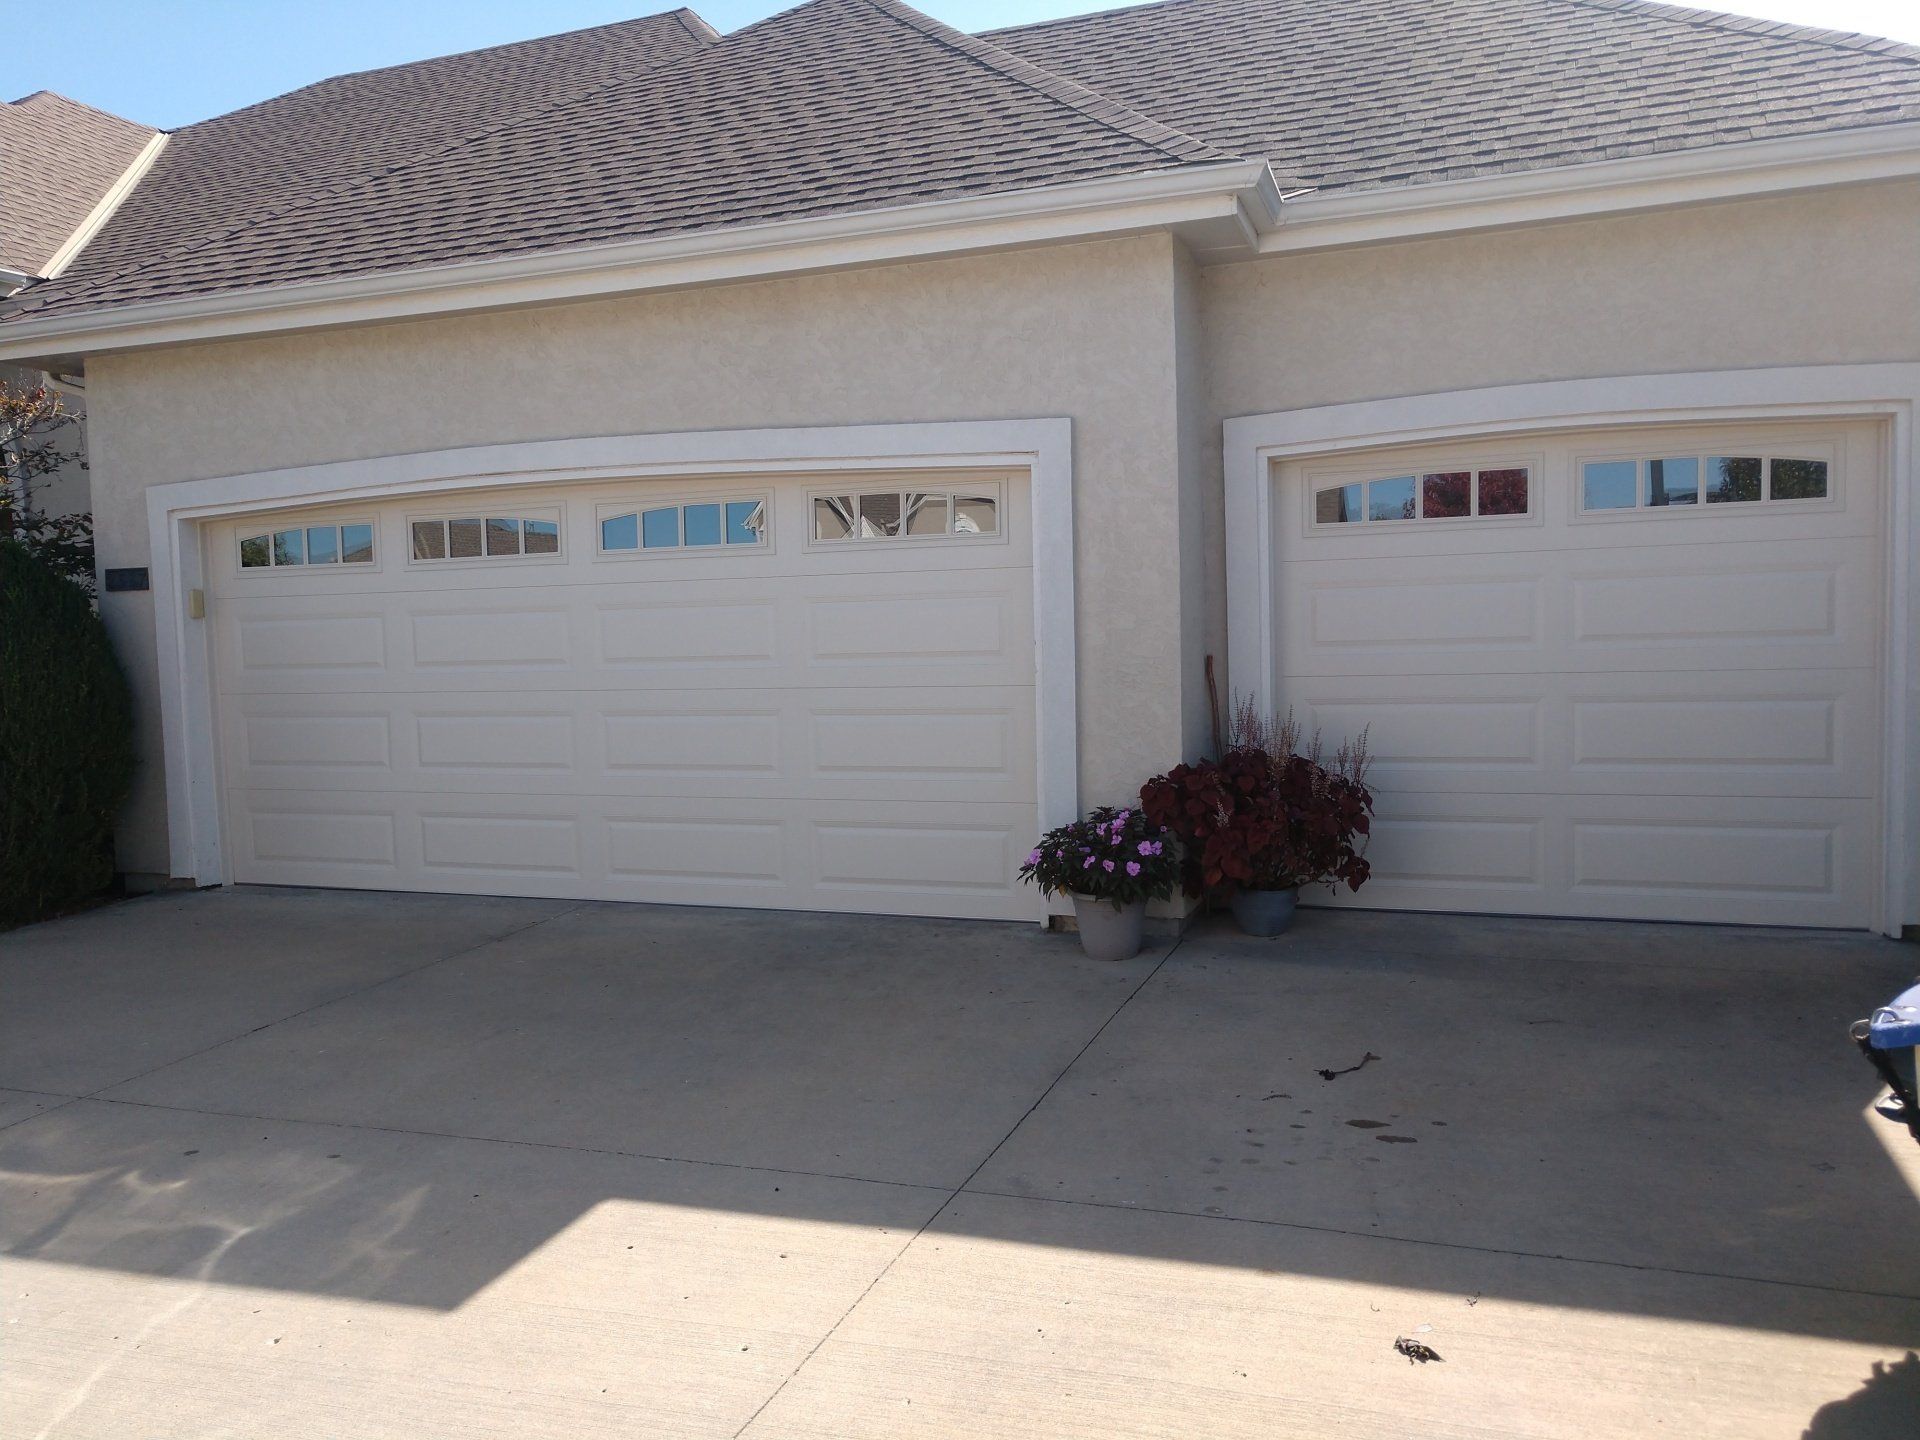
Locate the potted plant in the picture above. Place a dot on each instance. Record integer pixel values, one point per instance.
(1265, 818)
(1110, 864)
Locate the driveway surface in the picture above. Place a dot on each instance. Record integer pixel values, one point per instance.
(303, 1163)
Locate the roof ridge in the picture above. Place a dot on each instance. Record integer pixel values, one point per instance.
(66, 99)
(1089, 102)
(1084, 15)
(696, 23)
(1854, 40)
(32, 298)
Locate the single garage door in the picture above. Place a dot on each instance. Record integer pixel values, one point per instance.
(1631, 673)
(794, 692)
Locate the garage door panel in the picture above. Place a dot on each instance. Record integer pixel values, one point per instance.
(797, 727)
(1707, 733)
(1655, 711)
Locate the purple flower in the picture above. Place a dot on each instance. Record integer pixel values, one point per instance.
(1146, 847)
(1034, 858)
(1133, 867)
(1156, 847)
(1089, 863)
(1123, 816)
(1107, 863)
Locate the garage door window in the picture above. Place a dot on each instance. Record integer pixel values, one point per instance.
(308, 545)
(1664, 482)
(690, 525)
(906, 514)
(485, 537)
(1435, 495)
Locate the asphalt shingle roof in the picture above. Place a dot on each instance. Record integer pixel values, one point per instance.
(1349, 94)
(658, 126)
(58, 158)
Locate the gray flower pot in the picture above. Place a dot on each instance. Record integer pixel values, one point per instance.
(1264, 912)
(1107, 933)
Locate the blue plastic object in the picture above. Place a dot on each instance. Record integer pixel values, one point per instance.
(1896, 1024)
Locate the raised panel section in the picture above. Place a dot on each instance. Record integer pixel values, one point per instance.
(494, 640)
(336, 741)
(1436, 732)
(1729, 606)
(1445, 613)
(320, 837)
(911, 628)
(920, 857)
(685, 634)
(910, 742)
(1454, 850)
(498, 742)
(729, 851)
(507, 844)
(1705, 731)
(312, 642)
(1727, 859)
(693, 741)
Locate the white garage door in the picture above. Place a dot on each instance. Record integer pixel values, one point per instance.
(1632, 673)
(810, 693)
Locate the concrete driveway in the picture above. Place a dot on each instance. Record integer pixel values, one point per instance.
(300, 1163)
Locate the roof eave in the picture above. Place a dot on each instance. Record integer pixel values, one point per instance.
(1745, 170)
(1216, 206)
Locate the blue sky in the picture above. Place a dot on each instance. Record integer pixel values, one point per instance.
(171, 62)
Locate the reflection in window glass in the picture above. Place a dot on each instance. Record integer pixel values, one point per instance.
(1446, 495)
(429, 539)
(975, 515)
(1731, 478)
(832, 517)
(701, 524)
(660, 529)
(542, 537)
(254, 552)
(1338, 505)
(745, 520)
(465, 539)
(289, 547)
(1672, 482)
(926, 514)
(1390, 499)
(879, 516)
(356, 544)
(323, 545)
(1799, 479)
(1608, 484)
(620, 532)
(1503, 492)
(503, 535)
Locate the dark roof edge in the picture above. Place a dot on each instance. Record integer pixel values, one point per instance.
(696, 24)
(1091, 103)
(1751, 25)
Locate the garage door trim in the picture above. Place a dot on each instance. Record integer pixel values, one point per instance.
(1884, 392)
(1041, 448)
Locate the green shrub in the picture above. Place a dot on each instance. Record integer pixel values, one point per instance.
(66, 741)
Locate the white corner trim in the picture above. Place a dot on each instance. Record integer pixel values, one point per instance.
(1746, 170)
(1888, 392)
(1194, 195)
(1042, 447)
(109, 202)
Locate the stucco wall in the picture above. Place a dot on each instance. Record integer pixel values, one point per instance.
(1084, 332)
(1826, 278)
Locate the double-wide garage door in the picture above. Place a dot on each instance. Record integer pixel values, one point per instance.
(1633, 673)
(800, 692)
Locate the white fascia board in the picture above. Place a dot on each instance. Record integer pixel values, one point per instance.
(1196, 195)
(109, 202)
(1750, 169)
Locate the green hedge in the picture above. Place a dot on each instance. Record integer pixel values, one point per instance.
(66, 741)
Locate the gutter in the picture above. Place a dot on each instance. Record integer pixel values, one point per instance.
(1748, 170)
(1205, 198)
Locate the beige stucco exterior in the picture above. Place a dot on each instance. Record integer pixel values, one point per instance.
(1142, 349)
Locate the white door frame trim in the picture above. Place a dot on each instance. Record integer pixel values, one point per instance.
(175, 512)
(1886, 392)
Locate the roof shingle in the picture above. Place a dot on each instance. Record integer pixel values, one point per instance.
(58, 159)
